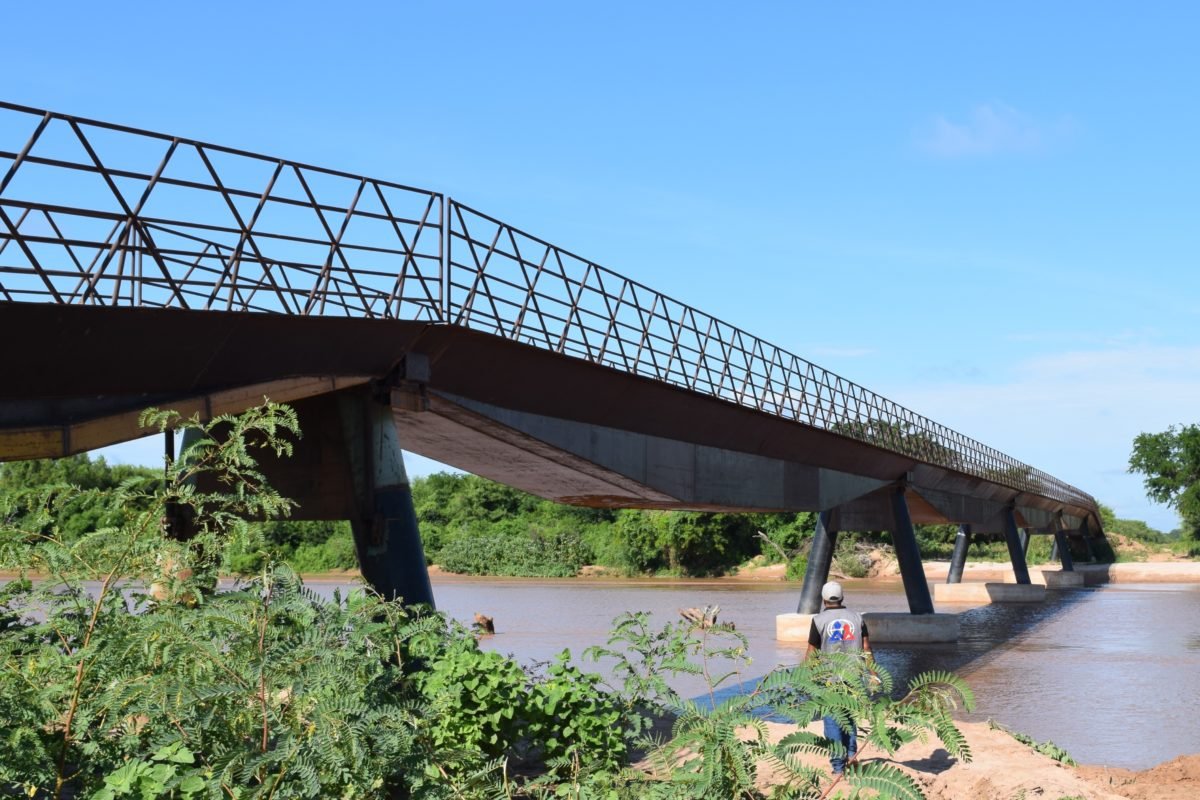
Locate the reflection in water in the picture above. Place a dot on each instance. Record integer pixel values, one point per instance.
(1111, 674)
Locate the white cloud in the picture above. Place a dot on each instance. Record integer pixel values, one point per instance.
(990, 129)
(1075, 414)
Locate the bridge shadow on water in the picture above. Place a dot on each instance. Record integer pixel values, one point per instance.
(985, 633)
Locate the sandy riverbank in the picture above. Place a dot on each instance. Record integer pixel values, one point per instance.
(981, 571)
(1123, 572)
(1003, 768)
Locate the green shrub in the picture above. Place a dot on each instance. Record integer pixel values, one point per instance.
(482, 700)
(474, 696)
(684, 542)
(264, 691)
(716, 746)
(853, 565)
(335, 553)
(570, 715)
(796, 568)
(1046, 748)
(550, 555)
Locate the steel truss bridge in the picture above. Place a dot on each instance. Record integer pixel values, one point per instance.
(140, 268)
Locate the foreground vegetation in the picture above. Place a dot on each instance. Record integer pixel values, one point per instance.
(126, 673)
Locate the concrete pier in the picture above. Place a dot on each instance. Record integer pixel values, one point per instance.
(911, 628)
(1062, 579)
(881, 627)
(793, 627)
(984, 593)
(1052, 578)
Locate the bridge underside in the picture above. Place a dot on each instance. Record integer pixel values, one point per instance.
(557, 427)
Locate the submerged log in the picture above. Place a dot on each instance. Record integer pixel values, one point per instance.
(705, 617)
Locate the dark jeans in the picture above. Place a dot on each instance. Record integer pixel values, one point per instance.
(848, 740)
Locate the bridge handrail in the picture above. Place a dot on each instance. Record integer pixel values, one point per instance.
(497, 286)
(212, 227)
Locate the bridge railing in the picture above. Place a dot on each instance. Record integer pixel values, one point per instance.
(515, 285)
(96, 213)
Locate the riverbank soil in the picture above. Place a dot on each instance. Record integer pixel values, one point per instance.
(1157, 568)
(1178, 779)
(1002, 769)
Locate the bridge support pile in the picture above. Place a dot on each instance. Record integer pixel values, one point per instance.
(1021, 585)
(921, 624)
(386, 536)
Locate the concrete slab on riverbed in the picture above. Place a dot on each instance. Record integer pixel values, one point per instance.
(793, 627)
(881, 627)
(911, 628)
(1141, 572)
(984, 593)
(1050, 578)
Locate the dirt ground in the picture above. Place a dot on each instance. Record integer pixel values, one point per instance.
(1159, 568)
(1004, 769)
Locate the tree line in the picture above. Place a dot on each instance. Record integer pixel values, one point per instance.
(475, 526)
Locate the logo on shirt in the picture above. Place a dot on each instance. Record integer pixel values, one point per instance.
(841, 630)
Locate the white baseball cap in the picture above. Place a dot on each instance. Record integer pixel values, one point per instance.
(832, 592)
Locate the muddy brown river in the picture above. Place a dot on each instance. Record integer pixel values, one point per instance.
(1111, 674)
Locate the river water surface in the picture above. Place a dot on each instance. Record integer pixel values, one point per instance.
(1110, 674)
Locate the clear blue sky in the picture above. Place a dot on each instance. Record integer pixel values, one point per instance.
(987, 214)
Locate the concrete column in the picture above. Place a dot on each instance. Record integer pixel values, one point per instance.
(1015, 553)
(1054, 548)
(1064, 551)
(386, 537)
(958, 559)
(908, 554)
(1087, 540)
(820, 556)
(1025, 537)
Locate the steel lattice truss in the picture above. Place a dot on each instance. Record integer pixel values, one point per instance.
(103, 214)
